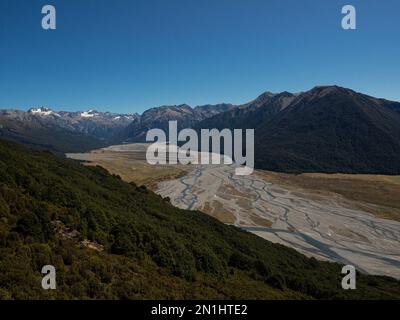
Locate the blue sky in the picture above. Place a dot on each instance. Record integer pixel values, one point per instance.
(130, 55)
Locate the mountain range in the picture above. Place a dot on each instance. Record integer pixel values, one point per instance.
(326, 129)
(63, 132)
(185, 115)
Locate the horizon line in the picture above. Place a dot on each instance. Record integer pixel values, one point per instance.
(101, 109)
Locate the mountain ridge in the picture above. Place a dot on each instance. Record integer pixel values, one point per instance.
(360, 133)
(327, 129)
(92, 128)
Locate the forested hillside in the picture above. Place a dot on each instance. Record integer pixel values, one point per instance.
(114, 240)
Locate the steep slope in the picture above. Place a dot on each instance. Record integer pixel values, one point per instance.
(331, 129)
(327, 129)
(111, 239)
(249, 115)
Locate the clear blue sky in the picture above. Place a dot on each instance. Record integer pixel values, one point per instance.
(130, 55)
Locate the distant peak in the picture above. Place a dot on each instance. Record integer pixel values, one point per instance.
(330, 89)
(167, 107)
(39, 109)
(285, 94)
(42, 111)
(322, 91)
(266, 94)
(186, 106)
(262, 98)
(89, 114)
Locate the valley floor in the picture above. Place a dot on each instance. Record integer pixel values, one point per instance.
(315, 220)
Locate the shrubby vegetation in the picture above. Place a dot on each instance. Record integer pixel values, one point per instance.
(150, 248)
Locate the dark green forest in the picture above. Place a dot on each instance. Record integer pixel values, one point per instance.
(109, 239)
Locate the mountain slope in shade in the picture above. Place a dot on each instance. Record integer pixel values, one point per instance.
(249, 115)
(45, 135)
(331, 129)
(327, 129)
(109, 239)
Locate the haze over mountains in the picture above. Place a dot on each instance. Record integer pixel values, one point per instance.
(326, 129)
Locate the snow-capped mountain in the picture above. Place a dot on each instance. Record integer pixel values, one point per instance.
(43, 111)
(62, 130)
(99, 125)
(89, 114)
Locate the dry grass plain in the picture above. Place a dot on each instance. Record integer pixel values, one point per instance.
(129, 162)
(376, 194)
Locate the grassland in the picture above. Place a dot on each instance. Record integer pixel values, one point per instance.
(128, 162)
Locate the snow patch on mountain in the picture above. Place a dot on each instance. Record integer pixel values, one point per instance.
(89, 114)
(43, 112)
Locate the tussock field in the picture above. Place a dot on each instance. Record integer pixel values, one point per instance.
(129, 162)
